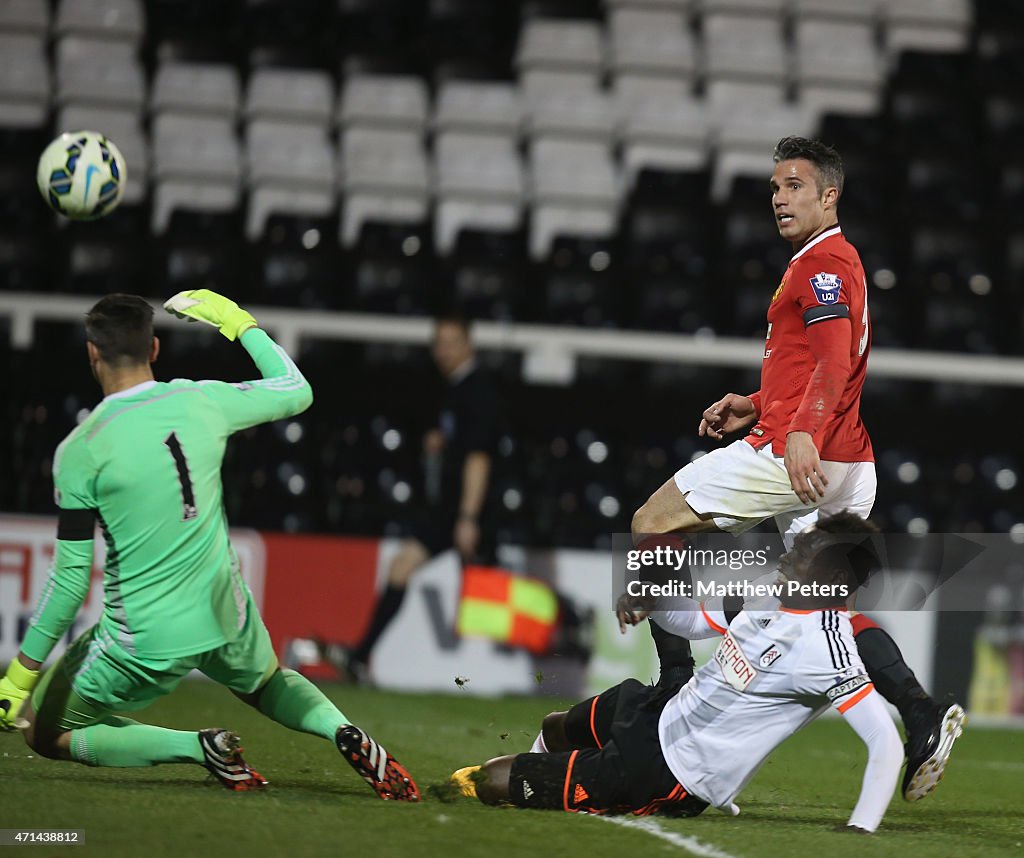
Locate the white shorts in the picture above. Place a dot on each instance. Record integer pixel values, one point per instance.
(739, 487)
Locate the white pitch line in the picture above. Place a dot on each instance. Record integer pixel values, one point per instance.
(650, 826)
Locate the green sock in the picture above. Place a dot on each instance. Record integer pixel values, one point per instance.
(292, 700)
(125, 743)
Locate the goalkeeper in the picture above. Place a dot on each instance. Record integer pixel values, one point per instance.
(145, 466)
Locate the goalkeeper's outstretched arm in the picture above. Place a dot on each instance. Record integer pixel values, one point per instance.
(281, 392)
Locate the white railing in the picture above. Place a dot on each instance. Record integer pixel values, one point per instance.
(549, 352)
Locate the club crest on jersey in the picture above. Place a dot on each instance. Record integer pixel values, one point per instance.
(770, 656)
(826, 287)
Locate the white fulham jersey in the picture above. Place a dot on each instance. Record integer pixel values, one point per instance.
(773, 672)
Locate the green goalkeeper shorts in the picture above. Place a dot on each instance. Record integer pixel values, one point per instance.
(95, 676)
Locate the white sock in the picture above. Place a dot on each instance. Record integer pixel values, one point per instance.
(538, 746)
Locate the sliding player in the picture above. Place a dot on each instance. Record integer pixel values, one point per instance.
(646, 749)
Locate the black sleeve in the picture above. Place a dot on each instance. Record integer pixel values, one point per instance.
(484, 426)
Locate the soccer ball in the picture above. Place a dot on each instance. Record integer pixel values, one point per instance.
(81, 175)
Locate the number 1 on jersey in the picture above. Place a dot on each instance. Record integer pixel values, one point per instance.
(188, 498)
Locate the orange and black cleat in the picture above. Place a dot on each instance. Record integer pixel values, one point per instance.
(222, 751)
(376, 766)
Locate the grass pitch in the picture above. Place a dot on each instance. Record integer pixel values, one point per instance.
(316, 805)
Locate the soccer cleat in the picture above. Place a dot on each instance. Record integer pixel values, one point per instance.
(928, 749)
(376, 766)
(222, 751)
(464, 782)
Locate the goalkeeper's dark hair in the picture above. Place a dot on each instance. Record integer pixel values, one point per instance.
(840, 541)
(121, 328)
(826, 160)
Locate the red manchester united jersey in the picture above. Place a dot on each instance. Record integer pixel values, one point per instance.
(823, 285)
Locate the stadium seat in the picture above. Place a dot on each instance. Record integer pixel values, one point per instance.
(24, 82)
(575, 192)
(486, 107)
(663, 133)
(651, 42)
(115, 20)
(196, 88)
(384, 101)
(29, 17)
(290, 95)
(866, 12)
(291, 170)
(479, 184)
(744, 48)
(930, 25)
(197, 166)
(97, 81)
(385, 177)
(533, 81)
(587, 115)
(839, 67)
(555, 44)
(684, 6)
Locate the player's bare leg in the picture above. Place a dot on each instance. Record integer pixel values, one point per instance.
(666, 511)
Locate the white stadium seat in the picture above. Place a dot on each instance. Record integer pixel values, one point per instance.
(479, 106)
(479, 183)
(384, 101)
(302, 95)
(122, 20)
(24, 82)
(114, 83)
(927, 25)
(652, 42)
(584, 115)
(744, 47)
(575, 192)
(567, 44)
(31, 17)
(212, 88)
(197, 164)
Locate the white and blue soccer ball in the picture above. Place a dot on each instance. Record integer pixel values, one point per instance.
(81, 175)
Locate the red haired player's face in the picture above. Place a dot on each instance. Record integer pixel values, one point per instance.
(801, 210)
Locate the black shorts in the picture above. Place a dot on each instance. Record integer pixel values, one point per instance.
(617, 766)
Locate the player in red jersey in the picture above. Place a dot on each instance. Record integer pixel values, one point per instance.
(807, 452)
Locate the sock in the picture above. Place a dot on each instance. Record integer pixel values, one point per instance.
(893, 679)
(538, 746)
(124, 743)
(387, 606)
(673, 651)
(295, 702)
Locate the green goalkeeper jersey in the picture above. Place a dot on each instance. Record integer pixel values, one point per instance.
(146, 466)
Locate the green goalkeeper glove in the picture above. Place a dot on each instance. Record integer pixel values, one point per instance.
(202, 305)
(15, 688)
